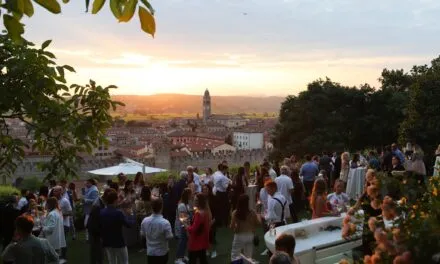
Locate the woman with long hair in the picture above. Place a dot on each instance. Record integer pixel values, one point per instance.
(183, 216)
(198, 231)
(318, 200)
(298, 195)
(138, 182)
(53, 227)
(239, 183)
(143, 209)
(206, 190)
(190, 183)
(243, 223)
(129, 195)
(345, 166)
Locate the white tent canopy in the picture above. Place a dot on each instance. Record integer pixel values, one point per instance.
(130, 167)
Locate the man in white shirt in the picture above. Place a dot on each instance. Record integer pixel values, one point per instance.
(221, 183)
(23, 201)
(157, 231)
(276, 206)
(66, 209)
(285, 187)
(196, 177)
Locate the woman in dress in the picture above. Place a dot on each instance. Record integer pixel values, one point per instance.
(365, 203)
(354, 163)
(318, 200)
(207, 190)
(143, 209)
(345, 166)
(183, 216)
(244, 222)
(239, 182)
(138, 182)
(190, 183)
(198, 231)
(53, 227)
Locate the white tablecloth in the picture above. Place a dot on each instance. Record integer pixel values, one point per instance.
(251, 190)
(355, 183)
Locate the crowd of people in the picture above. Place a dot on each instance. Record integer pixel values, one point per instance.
(190, 209)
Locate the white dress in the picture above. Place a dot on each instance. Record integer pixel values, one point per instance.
(437, 166)
(53, 229)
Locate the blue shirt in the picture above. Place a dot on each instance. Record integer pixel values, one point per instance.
(309, 171)
(374, 163)
(157, 231)
(112, 220)
(399, 155)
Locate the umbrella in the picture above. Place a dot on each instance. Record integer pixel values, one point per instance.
(128, 168)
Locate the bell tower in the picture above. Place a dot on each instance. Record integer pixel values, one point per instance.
(206, 106)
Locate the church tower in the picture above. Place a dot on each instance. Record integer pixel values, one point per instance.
(206, 106)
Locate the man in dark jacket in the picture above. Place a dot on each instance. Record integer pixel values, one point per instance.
(94, 227)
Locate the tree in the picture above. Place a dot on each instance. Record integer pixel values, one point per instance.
(123, 11)
(422, 120)
(61, 122)
(332, 117)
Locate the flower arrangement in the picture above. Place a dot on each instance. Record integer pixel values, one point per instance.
(408, 229)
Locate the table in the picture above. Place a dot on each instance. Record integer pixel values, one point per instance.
(251, 190)
(355, 182)
(319, 246)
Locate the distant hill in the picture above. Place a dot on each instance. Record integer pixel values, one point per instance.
(183, 103)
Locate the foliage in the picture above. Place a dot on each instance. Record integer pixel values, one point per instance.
(329, 116)
(415, 222)
(123, 11)
(59, 121)
(7, 190)
(161, 178)
(422, 121)
(32, 184)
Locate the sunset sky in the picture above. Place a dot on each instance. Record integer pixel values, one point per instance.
(242, 47)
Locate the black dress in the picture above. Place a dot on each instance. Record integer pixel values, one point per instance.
(368, 241)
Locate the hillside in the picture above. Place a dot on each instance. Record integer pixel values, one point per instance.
(182, 103)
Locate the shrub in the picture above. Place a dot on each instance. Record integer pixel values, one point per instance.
(161, 178)
(32, 184)
(415, 214)
(7, 190)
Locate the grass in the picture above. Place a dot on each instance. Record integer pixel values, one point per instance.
(78, 250)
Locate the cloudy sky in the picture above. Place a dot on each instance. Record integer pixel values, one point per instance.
(246, 47)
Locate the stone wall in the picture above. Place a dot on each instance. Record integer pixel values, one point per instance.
(209, 160)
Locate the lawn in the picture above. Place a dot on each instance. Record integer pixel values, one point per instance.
(78, 250)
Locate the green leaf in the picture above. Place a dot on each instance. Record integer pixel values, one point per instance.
(69, 68)
(14, 27)
(51, 5)
(66, 1)
(128, 11)
(28, 8)
(149, 6)
(115, 7)
(46, 44)
(60, 71)
(97, 5)
(20, 6)
(148, 24)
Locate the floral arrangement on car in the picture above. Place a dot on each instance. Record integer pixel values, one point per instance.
(409, 228)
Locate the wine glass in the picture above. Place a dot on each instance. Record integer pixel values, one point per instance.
(183, 217)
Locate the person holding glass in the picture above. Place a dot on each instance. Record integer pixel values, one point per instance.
(183, 217)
